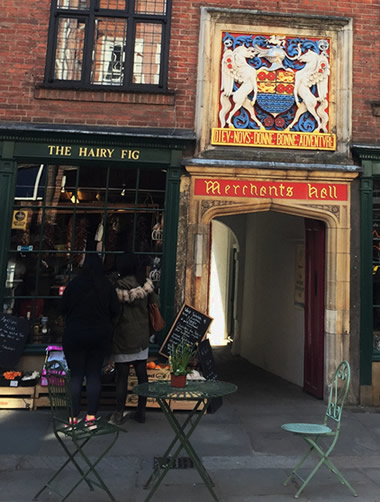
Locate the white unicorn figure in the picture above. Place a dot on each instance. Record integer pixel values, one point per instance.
(315, 71)
(236, 68)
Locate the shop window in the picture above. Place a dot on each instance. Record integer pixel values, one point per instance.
(101, 43)
(78, 210)
(376, 266)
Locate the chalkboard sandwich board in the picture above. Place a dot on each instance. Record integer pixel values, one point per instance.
(207, 365)
(190, 325)
(13, 333)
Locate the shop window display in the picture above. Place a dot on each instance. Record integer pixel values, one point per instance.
(60, 214)
(376, 266)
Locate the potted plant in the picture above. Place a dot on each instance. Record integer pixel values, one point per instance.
(180, 357)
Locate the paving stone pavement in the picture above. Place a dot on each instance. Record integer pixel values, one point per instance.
(242, 446)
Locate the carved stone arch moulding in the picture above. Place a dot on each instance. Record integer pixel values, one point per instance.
(209, 209)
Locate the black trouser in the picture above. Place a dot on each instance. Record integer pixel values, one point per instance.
(85, 363)
(122, 373)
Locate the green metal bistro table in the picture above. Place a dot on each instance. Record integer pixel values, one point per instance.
(201, 392)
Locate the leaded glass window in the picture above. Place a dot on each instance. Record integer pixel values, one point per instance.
(103, 43)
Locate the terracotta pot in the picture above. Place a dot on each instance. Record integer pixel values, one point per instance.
(177, 380)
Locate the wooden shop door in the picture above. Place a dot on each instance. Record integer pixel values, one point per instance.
(314, 307)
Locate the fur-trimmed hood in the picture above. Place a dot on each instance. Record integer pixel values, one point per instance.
(128, 289)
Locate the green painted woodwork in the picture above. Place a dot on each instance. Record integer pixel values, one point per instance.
(168, 268)
(366, 301)
(8, 170)
(53, 151)
(100, 150)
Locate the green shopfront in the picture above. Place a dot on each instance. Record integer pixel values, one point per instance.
(64, 194)
(369, 157)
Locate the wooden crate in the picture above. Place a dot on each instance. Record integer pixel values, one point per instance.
(176, 404)
(17, 397)
(41, 397)
(132, 400)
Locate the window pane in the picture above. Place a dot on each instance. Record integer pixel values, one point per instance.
(376, 265)
(63, 212)
(73, 4)
(69, 53)
(150, 6)
(112, 4)
(108, 62)
(147, 53)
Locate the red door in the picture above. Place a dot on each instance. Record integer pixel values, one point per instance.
(314, 306)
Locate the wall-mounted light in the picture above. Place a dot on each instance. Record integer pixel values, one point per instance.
(63, 184)
(198, 255)
(123, 191)
(74, 199)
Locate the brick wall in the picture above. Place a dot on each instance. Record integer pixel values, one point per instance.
(23, 36)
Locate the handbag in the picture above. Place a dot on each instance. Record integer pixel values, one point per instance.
(157, 322)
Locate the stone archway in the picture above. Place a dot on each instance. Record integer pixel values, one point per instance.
(336, 216)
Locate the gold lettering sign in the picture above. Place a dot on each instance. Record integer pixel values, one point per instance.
(89, 152)
(270, 189)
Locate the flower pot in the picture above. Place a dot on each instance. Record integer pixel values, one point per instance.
(177, 380)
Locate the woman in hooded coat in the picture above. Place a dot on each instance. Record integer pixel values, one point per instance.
(130, 344)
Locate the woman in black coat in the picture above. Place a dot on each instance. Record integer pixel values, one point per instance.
(89, 303)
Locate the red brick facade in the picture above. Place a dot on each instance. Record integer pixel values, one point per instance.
(23, 39)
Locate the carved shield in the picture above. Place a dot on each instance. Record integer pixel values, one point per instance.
(275, 91)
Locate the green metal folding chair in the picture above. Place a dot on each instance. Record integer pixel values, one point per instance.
(73, 438)
(312, 433)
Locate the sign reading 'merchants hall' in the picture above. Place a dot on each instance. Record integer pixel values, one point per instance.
(269, 189)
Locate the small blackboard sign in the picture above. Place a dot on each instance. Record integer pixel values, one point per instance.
(190, 325)
(206, 360)
(13, 333)
(207, 366)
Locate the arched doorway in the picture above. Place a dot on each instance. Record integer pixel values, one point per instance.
(335, 217)
(261, 300)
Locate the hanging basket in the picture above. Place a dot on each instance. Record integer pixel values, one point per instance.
(177, 380)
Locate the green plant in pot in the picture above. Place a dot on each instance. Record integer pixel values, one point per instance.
(180, 357)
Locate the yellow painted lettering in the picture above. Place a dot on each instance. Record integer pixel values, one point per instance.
(213, 187)
(82, 151)
(273, 191)
(253, 189)
(313, 192)
(289, 191)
